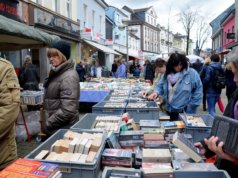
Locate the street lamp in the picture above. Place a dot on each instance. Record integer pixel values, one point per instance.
(125, 27)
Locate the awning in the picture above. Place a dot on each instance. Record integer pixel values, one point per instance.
(15, 35)
(103, 48)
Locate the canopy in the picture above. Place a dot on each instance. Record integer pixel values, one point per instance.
(15, 35)
(193, 58)
(103, 48)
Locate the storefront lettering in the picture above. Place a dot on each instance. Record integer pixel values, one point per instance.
(2, 7)
(9, 8)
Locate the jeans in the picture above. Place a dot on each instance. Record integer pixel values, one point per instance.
(211, 103)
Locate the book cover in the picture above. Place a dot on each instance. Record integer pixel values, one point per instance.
(186, 146)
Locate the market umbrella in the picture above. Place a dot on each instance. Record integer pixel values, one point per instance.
(193, 58)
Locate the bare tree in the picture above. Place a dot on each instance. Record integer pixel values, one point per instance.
(202, 33)
(188, 17)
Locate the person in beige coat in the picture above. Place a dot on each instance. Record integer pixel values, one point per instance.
(9, 109)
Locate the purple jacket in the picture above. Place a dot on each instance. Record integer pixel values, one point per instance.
(121, 71)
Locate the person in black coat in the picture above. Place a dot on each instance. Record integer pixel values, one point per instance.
(81, 71)
(29, 75)
(210, 146)
(149, 71)
(230, 84)
(197, 65)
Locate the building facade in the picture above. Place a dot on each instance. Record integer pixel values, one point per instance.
(149, 33)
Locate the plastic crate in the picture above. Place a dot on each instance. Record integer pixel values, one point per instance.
(101, 109)
(72, 170)
(201, 174)
(198, 133)
(32, 97)
(148, 113)
(88, 120)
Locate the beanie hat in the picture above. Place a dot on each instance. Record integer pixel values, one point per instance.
(63, 47)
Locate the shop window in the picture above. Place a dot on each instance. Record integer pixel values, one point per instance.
(68, 8)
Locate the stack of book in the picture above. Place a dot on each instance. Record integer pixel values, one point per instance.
(108, 123)
(31, 169)
(117, 157)
(116, 172)
(155, 139)
(149, 124)
(172, 126)
(74, 147)
(131, 138)
(157, 163)
(155, 170)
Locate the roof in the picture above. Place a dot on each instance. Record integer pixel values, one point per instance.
(15, 35)
(215, 24)
(142, 9)
(119, 10)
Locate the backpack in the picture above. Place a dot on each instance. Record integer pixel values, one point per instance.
(218, 80)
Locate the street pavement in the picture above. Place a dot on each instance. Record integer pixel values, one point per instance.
(25, 148)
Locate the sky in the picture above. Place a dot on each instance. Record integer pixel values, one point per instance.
(208, 8)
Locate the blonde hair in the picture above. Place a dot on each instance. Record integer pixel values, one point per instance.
(55, 52)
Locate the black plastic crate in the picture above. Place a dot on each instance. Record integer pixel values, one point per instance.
(72, 170)
(101, 109)
(198, 133)
(150, 112)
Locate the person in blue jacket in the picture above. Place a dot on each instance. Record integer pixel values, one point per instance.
(212, 94)
(180, 87)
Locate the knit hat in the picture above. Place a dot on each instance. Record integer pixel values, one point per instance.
(63, 47)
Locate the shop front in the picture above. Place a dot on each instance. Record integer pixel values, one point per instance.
(17, 35)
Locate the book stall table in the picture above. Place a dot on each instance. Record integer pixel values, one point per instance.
(31, 98)
(93, 96)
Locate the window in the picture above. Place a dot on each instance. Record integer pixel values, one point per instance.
(117, 18)
(85, 15)
(39, 2)
(93, 19)
(100, 21)
(68, 9)
(233, 30)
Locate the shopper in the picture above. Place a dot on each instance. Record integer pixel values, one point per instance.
(29, 75)
(180, 87)
(114, 69)
(81, 71)
(160, 68)
(202, 76)
(230, 84)
(212, 93)
(121, 69)
(9, 110)
(62, 90)
(148, 71)
(210, 147)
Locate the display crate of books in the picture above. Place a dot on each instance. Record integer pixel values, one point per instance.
(109, 172)
(69, 165)
(32, 97)
(89, 121)
(201, 174)
(116, 98)
(142, 110)
(108, 107)
(198, 125)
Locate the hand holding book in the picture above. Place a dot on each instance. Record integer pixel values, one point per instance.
(216, 146)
